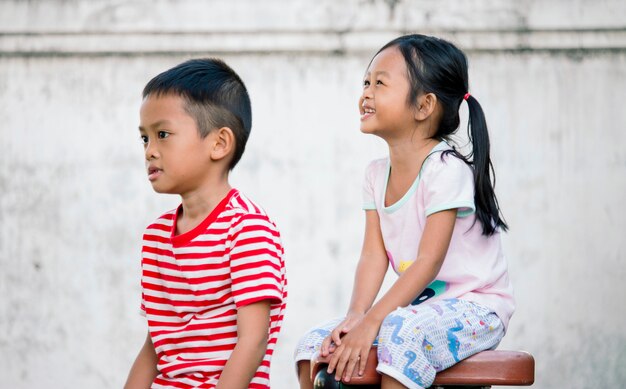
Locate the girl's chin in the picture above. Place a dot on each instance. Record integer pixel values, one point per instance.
(367, 129)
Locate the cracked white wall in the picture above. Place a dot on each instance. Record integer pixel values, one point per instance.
(74, 198)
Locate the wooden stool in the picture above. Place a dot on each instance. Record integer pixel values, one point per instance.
(482, 370)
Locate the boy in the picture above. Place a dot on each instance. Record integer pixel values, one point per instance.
(213, 277)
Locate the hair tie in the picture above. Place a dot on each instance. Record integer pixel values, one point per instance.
(467, 95)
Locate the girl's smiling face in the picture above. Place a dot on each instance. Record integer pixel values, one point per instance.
(383, 104)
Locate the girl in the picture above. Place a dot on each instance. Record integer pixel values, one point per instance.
(430, 212)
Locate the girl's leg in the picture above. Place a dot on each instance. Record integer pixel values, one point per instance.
(415, 342)
(389, 383)
(304, 374)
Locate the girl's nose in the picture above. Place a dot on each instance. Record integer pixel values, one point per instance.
(365, 98)
(367, 94)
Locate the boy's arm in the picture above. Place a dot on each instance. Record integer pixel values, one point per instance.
(144, 369)
(252, 333)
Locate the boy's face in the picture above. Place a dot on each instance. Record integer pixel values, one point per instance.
(177, 158)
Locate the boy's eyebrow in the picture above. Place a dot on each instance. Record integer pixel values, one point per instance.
(156, 124)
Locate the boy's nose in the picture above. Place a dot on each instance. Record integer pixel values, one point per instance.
(151, 152)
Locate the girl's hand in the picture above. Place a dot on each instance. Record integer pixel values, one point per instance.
(352, 353)
(330, 343)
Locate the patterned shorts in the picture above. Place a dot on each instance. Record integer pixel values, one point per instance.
(417, 341)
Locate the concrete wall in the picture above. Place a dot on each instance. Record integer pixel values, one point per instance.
(74, 199)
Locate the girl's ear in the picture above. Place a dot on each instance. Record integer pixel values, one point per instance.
(223, 143)
(426, 105)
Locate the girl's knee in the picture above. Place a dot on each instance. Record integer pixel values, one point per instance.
(311, 342)
(397, 329)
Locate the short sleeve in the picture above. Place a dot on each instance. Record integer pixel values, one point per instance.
(142, 307)
(449, 184)
(368, 188)
(256, 260)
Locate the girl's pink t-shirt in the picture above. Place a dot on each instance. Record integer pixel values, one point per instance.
(475, 268)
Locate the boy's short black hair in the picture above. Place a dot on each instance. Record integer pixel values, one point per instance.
(214, 95)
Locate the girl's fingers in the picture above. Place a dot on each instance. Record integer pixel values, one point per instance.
(362, 362)
(334, 360)
(325, 346)
(330, 343)
(352, 362)
(340, 365)
(336, 336)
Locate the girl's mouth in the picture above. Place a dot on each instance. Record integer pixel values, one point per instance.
(367, 113)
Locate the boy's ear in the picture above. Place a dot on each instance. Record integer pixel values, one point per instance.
(223, 143)
(426, 105)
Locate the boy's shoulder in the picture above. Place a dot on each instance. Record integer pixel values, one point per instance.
(244, 216)
(164, 222)
(236, 209)
(241, 204)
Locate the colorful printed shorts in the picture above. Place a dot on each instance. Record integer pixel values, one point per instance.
(417, 341)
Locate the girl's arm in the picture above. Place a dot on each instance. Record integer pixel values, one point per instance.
(432, 251)
(252, 333)
(370, 273)
(144, 369)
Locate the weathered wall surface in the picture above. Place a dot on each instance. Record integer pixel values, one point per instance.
(74, 199)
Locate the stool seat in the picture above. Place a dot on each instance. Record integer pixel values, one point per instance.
(493, 367)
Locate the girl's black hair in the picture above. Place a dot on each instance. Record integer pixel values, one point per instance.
(437, 66)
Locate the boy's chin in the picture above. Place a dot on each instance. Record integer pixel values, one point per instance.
(161, 190)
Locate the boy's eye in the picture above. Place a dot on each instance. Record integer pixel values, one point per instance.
(163, 134)
(144, 139)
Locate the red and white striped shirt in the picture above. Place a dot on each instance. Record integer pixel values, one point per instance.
(193, 283)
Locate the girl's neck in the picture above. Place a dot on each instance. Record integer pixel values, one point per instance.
(406, 158)
(403, 153)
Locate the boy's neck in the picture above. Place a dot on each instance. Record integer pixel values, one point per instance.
(197, 205)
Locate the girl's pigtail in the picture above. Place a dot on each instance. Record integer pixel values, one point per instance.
(487, 208)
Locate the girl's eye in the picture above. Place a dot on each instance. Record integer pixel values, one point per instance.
(379, 82)
(144, 139)
(163, 134)
(366, 83)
